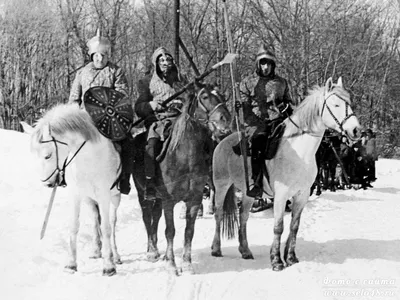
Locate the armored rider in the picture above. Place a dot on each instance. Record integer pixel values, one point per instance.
(165, 81)
(101, 72)
(266, 103)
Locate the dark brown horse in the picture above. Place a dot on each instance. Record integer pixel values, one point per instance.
(183, 172)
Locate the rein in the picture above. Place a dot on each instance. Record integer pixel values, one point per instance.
(61, 171)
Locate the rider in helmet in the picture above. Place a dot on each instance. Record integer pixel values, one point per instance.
(266, 102)
(101, 72)
(165, 81)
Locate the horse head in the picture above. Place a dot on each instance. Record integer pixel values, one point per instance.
(51, 153)
(212, 111)
(336, 112)
(62, 129)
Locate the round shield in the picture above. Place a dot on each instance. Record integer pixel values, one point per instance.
(110, 110)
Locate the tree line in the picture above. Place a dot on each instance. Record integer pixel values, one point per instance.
(43, 45)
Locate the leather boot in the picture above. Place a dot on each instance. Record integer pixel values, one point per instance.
(257, 189)
(150, 190)
(257, 174)
(124, 185)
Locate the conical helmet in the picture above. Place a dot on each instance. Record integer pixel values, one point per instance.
(99, 44)
(161, 51)
(263, 52)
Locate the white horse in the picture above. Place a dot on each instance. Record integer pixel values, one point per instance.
(70, 147)
(291, 172)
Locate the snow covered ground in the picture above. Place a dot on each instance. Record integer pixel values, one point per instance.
(348, 246)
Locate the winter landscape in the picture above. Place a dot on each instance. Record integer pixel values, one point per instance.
(348, 246)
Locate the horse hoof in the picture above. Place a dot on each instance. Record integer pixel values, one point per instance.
(118, 261)
(217, 253)
(173, 270)
(70, 269)
(291, 261)
(109, 272)
(187, 268)
(247, 256)
(278, 267)
(153, 256)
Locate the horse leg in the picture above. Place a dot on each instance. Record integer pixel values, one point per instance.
(156, 215)
(168, 207)
(73, 233)
(108, 263)
(211, 205)
(94, 210)
(244, 213)
(113, 222)
(192, 208)
(151, 214)
(220, 191)
(299, 202)
(275, 253)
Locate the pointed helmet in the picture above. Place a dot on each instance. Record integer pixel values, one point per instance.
(263, 52)
(99, 44)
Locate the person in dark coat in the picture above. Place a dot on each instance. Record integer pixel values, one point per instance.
(346, 154)
(359, 166)
(371, 155)
(266, 102)
(165, 81)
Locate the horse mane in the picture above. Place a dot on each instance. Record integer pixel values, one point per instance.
(308, 111)
(185, 122)
(64, 118)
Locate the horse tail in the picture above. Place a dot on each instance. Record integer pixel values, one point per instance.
(230, 220)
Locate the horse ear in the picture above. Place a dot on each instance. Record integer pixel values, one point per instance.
(46, 132)
(26, 127)
(328, 85)
(339, 82)
(198, 86)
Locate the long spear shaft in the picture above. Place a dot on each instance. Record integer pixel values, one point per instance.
(236, 97)
(46, 218)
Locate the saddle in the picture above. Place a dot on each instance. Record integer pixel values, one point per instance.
(269, 140)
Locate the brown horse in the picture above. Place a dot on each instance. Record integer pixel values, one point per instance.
(291, 172)
(183, 172)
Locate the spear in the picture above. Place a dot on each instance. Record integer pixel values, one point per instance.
(226, 60)
(236, 92)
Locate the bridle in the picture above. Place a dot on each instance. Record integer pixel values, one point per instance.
(60, 179)
(347, 115)
(340, 124)
(208, 113)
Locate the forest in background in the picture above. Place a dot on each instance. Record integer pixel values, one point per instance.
(43, 44)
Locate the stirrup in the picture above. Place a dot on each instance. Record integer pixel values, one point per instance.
(255, 191)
